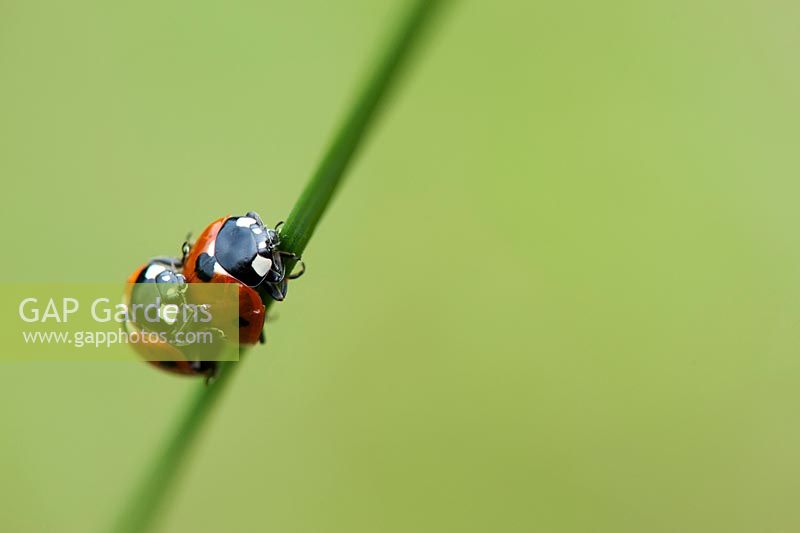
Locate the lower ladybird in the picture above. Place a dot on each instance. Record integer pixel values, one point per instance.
(159, 283)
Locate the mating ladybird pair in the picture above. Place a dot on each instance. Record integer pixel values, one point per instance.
(239, 250)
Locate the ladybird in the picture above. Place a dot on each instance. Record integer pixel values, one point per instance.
(162, 278)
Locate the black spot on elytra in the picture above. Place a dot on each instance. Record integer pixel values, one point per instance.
(205, 267)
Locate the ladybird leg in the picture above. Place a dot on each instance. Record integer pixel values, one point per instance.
(217, 333)
(182, 286)
(262, 338)
(205, 368)
(173, 262)
(299, 261)
(277, 271)
(185, 248)
(211, 376)
(276, 291)
(295, 275)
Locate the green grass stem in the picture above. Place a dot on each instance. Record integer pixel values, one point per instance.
(144, 506)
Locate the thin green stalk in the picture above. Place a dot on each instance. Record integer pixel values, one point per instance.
(143, 508)
(318, 192)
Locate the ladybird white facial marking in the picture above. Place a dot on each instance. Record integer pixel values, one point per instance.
(219, 270)
(262, 244)
(245, 222)
(153, 271)
(261, 265)
(257, 230)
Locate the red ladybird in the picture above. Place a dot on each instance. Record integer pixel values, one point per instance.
(161, 278)
(241, 250)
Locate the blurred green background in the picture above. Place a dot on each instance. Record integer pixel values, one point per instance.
(558, 292)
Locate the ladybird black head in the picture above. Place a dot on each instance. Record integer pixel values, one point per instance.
(244, 248)
(159, 284)
(169, 284)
